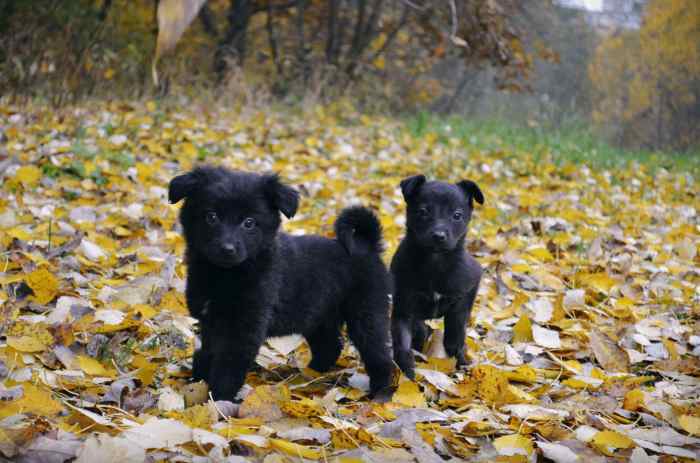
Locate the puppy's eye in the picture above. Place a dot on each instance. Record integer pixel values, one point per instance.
(457, 216)
(211, 218)
(423, 212)
(249, 223)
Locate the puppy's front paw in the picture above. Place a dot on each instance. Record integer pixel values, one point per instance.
(383, 395)
(461, 361)
(407, 364)
(458, 353)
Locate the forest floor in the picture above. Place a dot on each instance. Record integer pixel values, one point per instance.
(584, 343)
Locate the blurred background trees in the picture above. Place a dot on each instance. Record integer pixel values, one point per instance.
(646, 81)
(629, 67)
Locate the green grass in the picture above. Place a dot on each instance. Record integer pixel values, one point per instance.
(574, 144)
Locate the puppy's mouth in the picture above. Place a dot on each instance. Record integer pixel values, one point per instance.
(441, 248)
(225, 261)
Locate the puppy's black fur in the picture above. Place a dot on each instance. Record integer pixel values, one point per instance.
(247, 281)
(433, 274)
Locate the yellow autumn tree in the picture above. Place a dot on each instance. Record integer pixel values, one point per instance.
(647, 82)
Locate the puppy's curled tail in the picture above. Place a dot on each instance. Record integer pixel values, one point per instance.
(359, 231)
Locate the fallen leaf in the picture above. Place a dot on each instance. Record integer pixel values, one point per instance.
(295, 449)
(546, 338)
(264, 402)
(157, 433)
(634, 400)
(557, 453)
(28, 175)
(26, 343)
(522, 330)
(690, 424)
(170, 400)
(44, 285)
(108, 449)
(609, 442)
(423, 452)
(408, 394)
(91, 366)
(513, 444)
(607, 352)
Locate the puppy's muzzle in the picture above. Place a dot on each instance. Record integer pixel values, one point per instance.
(439, 237)
(233, 253)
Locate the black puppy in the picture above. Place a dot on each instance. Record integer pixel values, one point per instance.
(246, 281)
(433, 274)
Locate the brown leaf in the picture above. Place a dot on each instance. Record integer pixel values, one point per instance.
(607, 352)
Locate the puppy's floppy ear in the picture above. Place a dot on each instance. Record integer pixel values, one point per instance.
(472, 191)
(411, 185)
(282, 197)
(181, 186)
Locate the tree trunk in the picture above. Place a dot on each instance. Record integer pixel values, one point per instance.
(272, 39)
(206, 16)
(356, 43)
(302, 52)
(234, 42)
(332, 31)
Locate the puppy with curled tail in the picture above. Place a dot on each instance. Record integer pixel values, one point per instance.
(247, 280)
(433, 274)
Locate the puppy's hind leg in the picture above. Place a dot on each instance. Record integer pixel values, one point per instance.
(368, 329)
(421, 332)
(325, 344)
(201, 362)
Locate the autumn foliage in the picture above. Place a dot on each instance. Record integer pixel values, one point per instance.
(647, 82)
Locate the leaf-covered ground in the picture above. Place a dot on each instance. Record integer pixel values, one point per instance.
(584, 343)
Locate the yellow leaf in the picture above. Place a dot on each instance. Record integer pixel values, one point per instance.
(91, 366)
(671, 348)
(303, 408)
(343, 439)
(582, 382)
(634, 400)
(146, 311)
(175, 302)
(513, 444)
(523, 374)
(44, 285)
(379, 62)
(445, 365)
(28, 175)
(264, 402)
(600, 282)
(34, 400)
(609, 441)
(690, 424)
(519, 396)
(197, 416)
(522, 330)
(189, 150)
(409, 395)
(492, 384)
(296, 450)
(26, 343)
(541, 254)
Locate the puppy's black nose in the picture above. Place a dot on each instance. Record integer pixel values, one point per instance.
(439, 236)
(228, 248)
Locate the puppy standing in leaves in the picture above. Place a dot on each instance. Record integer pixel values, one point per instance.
(247, 281)
(433, 274)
